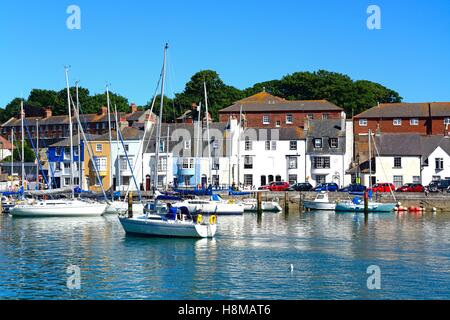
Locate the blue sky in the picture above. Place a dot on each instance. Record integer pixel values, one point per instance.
(246, 41)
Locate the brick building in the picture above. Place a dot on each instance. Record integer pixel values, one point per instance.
(264, 110)
(55, 128)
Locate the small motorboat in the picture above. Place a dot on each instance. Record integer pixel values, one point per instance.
(7, 204)
(178, 223)
(216, 205)
(357, 205)
(321, 202)
(251, 205)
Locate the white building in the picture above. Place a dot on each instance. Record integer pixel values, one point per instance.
(329, 151)
(435, 158)
(268, 155)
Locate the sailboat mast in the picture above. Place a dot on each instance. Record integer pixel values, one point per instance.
(70, 130)
(370, 158)
(197, 151)
(239, 149)
(207, 133)
(158, 131)
(80, 174)
(118, 147)
(37, 153)
(23, 139)
(167, 157)
(12, 154)
(110, 139)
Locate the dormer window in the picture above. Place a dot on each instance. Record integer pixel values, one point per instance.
(317, 143)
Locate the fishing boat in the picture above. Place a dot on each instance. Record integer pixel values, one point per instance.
(321, 202)
(251, 205)
(216, 205)
(357, 205)
(58, 208)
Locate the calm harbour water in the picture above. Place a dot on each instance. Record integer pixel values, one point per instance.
(250, 258)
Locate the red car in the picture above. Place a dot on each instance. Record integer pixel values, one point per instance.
(411, 187)
(276, 186)
(383, 187)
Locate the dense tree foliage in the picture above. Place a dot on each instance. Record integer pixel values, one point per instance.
(28, 152)
(340, 89)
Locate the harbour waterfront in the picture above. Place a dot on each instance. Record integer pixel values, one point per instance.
(250, 258)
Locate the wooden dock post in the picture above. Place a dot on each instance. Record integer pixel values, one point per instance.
(286, 202)
(366, 203)
(259, 202)
(130, 205)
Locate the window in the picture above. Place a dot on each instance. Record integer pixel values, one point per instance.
(398, 181)
(57, 166)
(188, 163)
(334, 142)
(162, 164)
(187, 144)
(100, 164)
(98, 147)
(289, 118)
(325, 116)
(278, 123)
(397, 122)
(161, 146)
(248, 162)
(103, 125)
(248, 179)
(292, 145)
(274, 145)
(127, 148)
(439, 163)
(187, 180)
(321, 162)
(320, 178)
(317, 143)
(215, 180)
(397, 162)
(58, 152)
(311, 116)
(416, 179)
(123, 164)
(414, 122)
(363, 122)
(267, 145)
(67, 181)
(292, 162)
(66, 165)
(292, 179)
(446, 121)
(215, 164)
(248, 144)
(266, 119)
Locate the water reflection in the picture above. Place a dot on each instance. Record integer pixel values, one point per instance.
(250, 258)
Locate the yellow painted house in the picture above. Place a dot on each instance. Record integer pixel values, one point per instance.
(100, 149)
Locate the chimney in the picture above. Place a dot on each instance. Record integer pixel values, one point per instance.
(47, 112)
(343, 118)
(306, 124)
(103, 110)
(133, 108)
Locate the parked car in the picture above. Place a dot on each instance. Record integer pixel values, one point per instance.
(327, 187)
(411, 187)
(383, 187)
(276, 186)
(303, 186)
(439, 186)
(354, 187)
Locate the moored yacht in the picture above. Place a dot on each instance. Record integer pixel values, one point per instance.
(58, 208)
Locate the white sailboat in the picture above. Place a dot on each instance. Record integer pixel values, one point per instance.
(251, 205)
(216, 205)
(174, 223)
(61, 208)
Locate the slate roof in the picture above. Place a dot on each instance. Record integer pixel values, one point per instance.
(407, 110)
(325, 129)
(263, 102)
(128, 133)
(66, 142)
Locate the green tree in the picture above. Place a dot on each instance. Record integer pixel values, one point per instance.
(220, 95)
(29, 154)
(170, 110)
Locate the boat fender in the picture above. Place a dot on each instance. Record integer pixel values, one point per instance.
(213, 219)
(199, 219)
